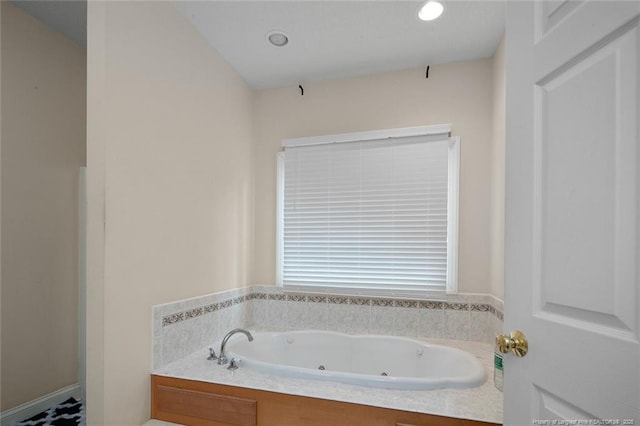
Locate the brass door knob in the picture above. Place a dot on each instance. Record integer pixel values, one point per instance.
(515, 342)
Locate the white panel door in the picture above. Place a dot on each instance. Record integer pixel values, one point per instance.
(572, 211)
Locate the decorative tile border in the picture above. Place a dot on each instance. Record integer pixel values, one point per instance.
(383, 302)
(360, 301)
(314, 298)
(273, 296)
(405, 303)
(336, 300)
(172, 319)
(496, 312)
(427, 304)
(480, 307)
(456, 306)
(193, 313)
(199, 311)
(296, 298)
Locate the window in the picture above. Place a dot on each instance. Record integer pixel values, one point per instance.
(370, 213)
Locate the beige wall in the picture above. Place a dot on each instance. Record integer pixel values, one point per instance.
(181, 153)
(497, 174)
(458, 93)
(170, 187)
(43, 146)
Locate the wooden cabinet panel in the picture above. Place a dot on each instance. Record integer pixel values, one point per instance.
(276, 409)
(220, 408)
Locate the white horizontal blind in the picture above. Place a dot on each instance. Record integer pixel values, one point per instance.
(366, 215)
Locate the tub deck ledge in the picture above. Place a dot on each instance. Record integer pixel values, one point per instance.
(483, 403)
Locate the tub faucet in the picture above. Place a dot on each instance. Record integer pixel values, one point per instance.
(222, 358)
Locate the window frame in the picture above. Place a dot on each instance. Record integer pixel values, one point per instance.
(435, 132)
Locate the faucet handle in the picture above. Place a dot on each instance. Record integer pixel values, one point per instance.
(212, 355)
(233, 364)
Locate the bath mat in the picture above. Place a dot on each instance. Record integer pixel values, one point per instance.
(68, 413)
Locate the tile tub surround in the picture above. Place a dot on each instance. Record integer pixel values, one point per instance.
(182, 327)
(482, 403)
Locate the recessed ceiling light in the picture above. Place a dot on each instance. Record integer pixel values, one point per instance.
(430, 10)
(278, 38)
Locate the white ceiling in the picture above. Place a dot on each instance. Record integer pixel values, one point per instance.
(328, 39)
(337, 39)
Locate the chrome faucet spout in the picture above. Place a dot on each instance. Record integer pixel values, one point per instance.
(222, 358)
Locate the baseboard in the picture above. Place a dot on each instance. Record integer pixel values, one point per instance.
(31, 408)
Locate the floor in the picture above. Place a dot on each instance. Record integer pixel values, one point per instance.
(68, 413)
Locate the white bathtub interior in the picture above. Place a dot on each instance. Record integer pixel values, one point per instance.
(367, 360)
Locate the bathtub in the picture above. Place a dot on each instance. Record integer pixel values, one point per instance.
(366, 360)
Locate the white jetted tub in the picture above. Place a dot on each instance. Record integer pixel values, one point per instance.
(378, 361)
